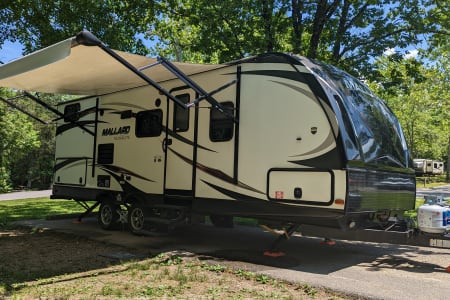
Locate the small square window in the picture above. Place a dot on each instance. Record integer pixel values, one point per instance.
(149, 123)
(221, 124)
(71, 112)
(105, 154)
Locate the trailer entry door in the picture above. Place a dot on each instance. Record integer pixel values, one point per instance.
(179, 146)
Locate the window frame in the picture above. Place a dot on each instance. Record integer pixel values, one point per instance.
(221, 120)
(178, 110)
(153, 133)
(72, 115)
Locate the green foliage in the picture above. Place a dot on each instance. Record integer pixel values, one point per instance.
(18, 139)
(40, 23)
(5, 183)
(419, 96)
(345, 33)
(217, 268)
(169, 260)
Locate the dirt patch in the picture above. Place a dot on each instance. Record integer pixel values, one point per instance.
(37, 253)
(47, 264)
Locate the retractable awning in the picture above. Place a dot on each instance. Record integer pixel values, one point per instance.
(75, 69)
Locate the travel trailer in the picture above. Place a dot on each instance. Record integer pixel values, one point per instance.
(438, 167)
(428, 167)
(275, 137)
(423, 166)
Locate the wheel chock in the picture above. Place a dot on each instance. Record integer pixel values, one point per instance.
(274, 254)
(328, 242)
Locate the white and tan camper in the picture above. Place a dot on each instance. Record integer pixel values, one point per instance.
(428, 167)
(275, 137)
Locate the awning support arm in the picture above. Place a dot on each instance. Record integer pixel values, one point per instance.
(88, 39)
(56, 112)
(189, 82)
(8, 102)
(197, 100)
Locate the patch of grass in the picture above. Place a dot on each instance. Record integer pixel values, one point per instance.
(264, 279)
(214, 268)
(36, 208)
(245, 274)
(431, 181)
(308, 290)
(169, 260)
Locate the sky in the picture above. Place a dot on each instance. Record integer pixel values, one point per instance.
(10, 51)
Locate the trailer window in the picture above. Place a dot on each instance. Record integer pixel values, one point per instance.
(105, 154)
(181, 115)
(221, 125)
(71, 112)
(149, 123)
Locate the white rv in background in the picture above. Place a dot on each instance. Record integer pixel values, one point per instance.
(275, 137)
(438, 167)
(428, 167)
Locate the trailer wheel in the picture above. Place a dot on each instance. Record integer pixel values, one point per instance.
(136, 218)
(107, 215)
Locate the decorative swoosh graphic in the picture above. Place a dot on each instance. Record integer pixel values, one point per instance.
(185, 140)
(127, 105)
(117, 169)
(305, 92)
(68, 126)
(329, 141)
(292, 75)
(66, 162)
(125, 185)
(216, 173)
(232, 194)
(87, 111)
(329, 160)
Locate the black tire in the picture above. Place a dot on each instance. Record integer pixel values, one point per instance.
(136, 218)
(107, 215)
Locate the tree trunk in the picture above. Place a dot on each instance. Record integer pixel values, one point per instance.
(323, 14)
(448, 161)
(267, 12)
(340, 32)
(297, 26)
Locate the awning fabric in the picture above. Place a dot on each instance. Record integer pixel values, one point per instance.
(70, 68)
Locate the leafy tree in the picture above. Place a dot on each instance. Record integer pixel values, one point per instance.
(219, 32)
(18, 138)
(40, 23)
(420, 98)
(347, 33)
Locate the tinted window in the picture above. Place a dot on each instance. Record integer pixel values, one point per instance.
(181, 115)
(105, 153)
(71, 112)
(221, 124)
(149, 123)
(376, 128)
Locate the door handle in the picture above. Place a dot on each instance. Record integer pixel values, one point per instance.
(166, 142)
